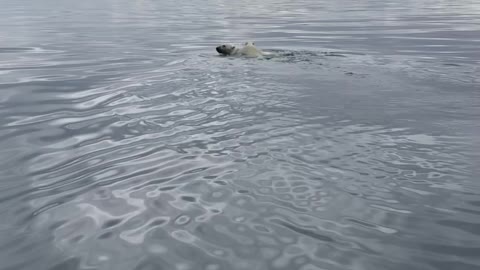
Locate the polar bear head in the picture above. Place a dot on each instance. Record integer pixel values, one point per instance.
(226, 49)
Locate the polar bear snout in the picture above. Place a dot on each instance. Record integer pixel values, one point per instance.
(226, 49)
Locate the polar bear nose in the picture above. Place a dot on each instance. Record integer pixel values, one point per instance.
(219, 49)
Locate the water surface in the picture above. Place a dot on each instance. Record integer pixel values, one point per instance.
(127, 143)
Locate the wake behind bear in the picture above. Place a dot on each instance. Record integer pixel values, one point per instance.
(248, 50)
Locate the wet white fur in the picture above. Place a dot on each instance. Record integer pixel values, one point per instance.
(248, 50)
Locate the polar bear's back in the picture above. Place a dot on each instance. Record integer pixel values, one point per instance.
(249, 50)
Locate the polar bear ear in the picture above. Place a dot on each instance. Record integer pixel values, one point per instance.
(253, 43)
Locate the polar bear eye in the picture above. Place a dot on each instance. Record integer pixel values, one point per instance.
(223, 46)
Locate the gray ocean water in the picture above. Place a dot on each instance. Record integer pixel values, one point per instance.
(126, 142)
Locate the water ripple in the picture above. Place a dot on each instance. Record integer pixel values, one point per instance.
(127, 143)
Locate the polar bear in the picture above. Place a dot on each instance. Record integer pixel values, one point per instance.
(248, 50)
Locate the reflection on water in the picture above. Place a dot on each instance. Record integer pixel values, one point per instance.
(127, 143)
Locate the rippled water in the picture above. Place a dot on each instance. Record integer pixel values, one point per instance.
(127, 143)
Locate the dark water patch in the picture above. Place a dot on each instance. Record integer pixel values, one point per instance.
(305, 232)
(15, 50)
